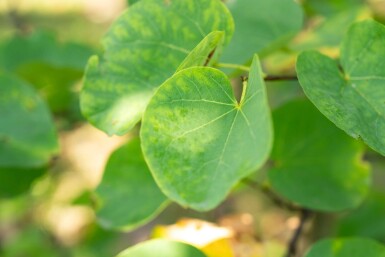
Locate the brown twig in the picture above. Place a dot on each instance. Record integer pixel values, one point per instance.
(293, 243)
(280, 77)
(1, 244)
(272, 196)
(16, 20)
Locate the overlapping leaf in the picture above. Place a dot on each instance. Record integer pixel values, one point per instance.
(315, 164)
(205, 52)
(261, 26)
(27, 134)
(352, 98)
(161, 247)
(128, 193)
(143, 48)
(350, 247)
(199, 141)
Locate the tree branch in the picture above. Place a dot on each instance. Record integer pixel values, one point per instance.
(271, 195)
(293, 243)
(280, 77)
(16, 20)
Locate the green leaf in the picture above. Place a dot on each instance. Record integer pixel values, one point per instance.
(97, 242)
(54, 84)
(261, 26)
(51, 67)
(205, 52)
(315, 164)
(143, 48)
(30, 239)
(27, 133)
(162, 247)
(128, 193)
(42, 47)
(199, 141)
(349, 247)
(352, 98)
(15, 181)
(367, 220)
(330, 7)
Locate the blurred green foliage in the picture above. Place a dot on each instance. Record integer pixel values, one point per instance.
(47, 54)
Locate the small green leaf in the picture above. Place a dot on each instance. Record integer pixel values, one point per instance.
(143, 48)
(15, 181)
(352, 98)
(315, 164)
(349, 247)
(261, 26)
(27, 133)
(199, 141)
(205, 52)
(128, 193)
(162, 248)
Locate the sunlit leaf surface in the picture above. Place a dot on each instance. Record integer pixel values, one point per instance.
(199, 141)
(143, 48)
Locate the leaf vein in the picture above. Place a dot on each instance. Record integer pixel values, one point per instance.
(204, 125)
(200, 100)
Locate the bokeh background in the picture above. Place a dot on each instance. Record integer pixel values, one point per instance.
(47, 43)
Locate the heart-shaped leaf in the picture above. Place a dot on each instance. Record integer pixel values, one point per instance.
(352, 98)
(199, 141)
(315, 164)
(128, 193)
(350, 247)
(143, 48)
